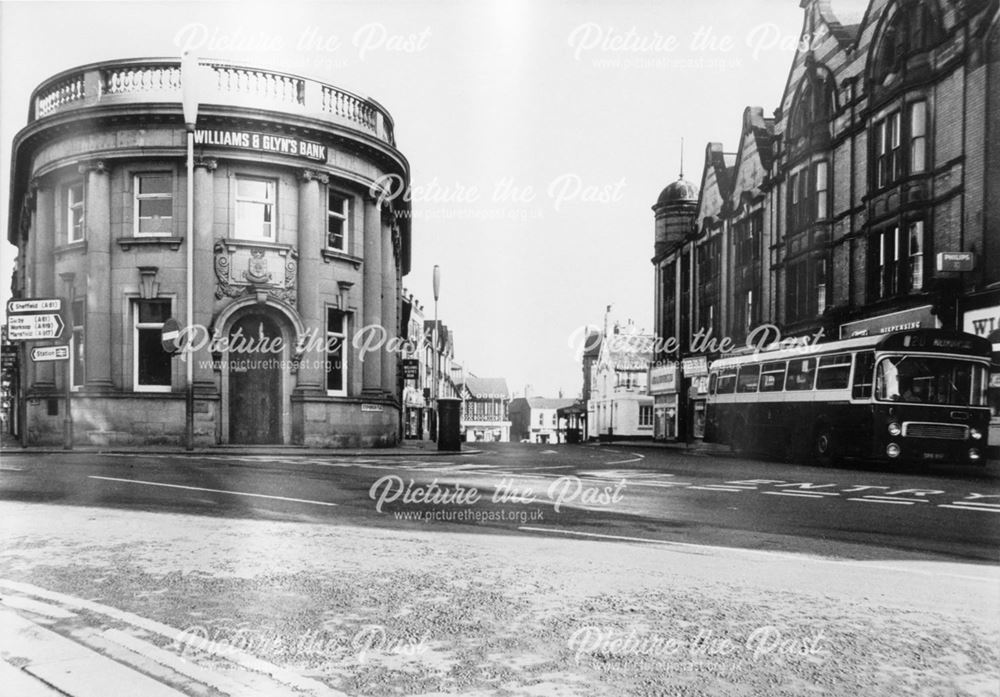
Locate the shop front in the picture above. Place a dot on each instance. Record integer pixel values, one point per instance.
(414, 421)
(695, 382)
(985, 321)
(663, 388)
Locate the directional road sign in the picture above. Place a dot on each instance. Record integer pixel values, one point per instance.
(50, 353)
(16, 307)
(34, 327)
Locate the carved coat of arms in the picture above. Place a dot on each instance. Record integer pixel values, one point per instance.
(257, 268)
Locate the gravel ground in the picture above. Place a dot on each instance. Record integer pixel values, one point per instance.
(373, 611)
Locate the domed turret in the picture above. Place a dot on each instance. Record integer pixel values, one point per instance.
(675, 209)
(680, 191)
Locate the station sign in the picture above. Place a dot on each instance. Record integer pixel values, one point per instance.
(50, 353)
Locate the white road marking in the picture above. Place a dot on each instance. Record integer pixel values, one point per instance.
(215, 491)
(977, 504)
(896, 498)
(970, 508)
(625, 462)
(793, 493)
(711, 488)
(890, 501)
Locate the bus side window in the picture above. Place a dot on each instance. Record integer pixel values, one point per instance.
(864, 365)
(748, 377)
(834, 372)
(712, 380)
(772, 376)
(801, 372)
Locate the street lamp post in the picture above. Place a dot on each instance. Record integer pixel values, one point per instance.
(437, 354)
(189, 97)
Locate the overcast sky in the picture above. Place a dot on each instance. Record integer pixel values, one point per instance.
(539, 133)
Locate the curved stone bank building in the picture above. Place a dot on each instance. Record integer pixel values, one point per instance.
(294, 253)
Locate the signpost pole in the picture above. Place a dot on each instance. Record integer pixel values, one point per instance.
(22, 401)
(189, 103)
(68, 384)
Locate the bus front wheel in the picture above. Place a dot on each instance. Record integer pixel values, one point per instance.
(824, 447)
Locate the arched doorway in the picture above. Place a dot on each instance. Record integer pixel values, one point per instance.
(255, 380)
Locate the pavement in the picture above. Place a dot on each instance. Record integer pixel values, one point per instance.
(208, 606)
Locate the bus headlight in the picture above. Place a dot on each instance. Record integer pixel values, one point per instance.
(892, 450)
(973, 454)
(974, 434)
(894, 429)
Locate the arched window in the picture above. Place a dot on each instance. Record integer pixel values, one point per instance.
(912, 29)
(812, 111)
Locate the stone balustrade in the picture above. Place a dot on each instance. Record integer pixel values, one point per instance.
(159, 80)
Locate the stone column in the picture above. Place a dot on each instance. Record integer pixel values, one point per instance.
(204, 263)
(390, 308)
(97, 211)
(311, 377)
(44, 234)
(371, 371)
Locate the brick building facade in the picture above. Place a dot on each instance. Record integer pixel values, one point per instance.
(830, 216)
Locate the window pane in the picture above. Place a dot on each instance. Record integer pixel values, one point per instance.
(337, 203)
(918, 120)
(772, 377)
(253, 219)
(335, 233)
(150, 207)
(254, 188)
(800, 374)
(154, 311)
(727, 381)
(154, 362)
(156, 184)
(335, 356)
(749, 375)
(834, 372)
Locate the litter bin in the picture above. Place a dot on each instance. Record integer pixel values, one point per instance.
(449, 413)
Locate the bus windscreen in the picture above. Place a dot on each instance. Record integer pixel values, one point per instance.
(926, 380)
